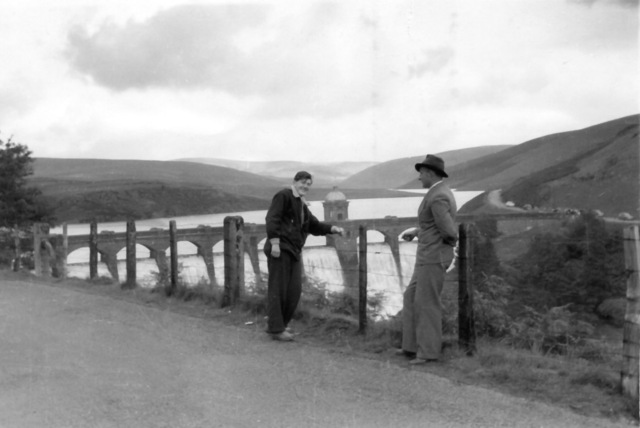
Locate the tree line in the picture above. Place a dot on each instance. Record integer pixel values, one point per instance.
(21, 205)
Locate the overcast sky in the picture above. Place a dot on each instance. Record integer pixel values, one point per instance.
(309, 81)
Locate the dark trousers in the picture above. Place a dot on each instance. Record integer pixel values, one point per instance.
(285, 287)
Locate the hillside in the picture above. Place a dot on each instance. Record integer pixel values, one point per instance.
(114, 190)
(80, 174)
(147, 200)
(324, 174)
(397, 172)
(592, 168)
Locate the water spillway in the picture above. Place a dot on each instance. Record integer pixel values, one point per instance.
(322, 269)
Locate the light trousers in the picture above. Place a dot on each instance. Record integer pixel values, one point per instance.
(422, 312)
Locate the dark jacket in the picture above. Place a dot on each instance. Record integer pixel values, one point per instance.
(284, 221)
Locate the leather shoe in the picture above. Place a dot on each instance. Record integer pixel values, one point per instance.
(403, 353)
(283, 337)
(419, 361)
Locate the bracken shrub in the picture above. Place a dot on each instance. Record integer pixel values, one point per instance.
(8, 249)
(316, 294)
(555, 331)
(182, 290)
(449, 313)
(490, 307)
(581, 264)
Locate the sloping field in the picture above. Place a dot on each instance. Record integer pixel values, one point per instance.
(592, 168)
(504, 168)
(396, 173)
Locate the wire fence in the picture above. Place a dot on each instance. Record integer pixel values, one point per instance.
(556, 285)
(546, 283)
(537, 281)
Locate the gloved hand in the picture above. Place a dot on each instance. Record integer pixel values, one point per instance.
(275, 250)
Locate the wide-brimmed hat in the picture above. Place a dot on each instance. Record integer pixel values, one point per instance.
(432, 162)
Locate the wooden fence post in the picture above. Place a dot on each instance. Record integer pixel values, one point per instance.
(173, 248)
(18, 252)
(631, 334)
(233, 259)
(65, 251)
(466, 322)
(37, 243)
(131, 254)
(93, 249)
(362, 279)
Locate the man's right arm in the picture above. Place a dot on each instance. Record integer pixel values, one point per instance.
(409, 234)
(274, 222)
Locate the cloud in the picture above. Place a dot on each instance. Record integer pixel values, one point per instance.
(307, 63)
(186, 46)
(434, 61)
(600, 27)
(309, 80)
(14, 99)
(623, 3)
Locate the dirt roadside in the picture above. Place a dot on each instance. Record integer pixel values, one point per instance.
(72, 358)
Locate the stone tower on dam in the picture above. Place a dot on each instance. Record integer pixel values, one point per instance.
(336, 206)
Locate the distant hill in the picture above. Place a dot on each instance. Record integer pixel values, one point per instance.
(98, 173)
(396, 173)
(148, 200)
(324, 174)
(592, 168)
(114, 190)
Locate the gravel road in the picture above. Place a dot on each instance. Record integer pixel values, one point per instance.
(69, 358)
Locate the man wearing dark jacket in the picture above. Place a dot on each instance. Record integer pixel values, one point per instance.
(288, 222)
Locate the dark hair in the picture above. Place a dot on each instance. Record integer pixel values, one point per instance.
(302, 175)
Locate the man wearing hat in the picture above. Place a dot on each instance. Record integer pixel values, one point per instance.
(437, 235)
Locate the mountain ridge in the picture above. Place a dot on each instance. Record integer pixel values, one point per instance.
(324, 174)
(591, 168)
